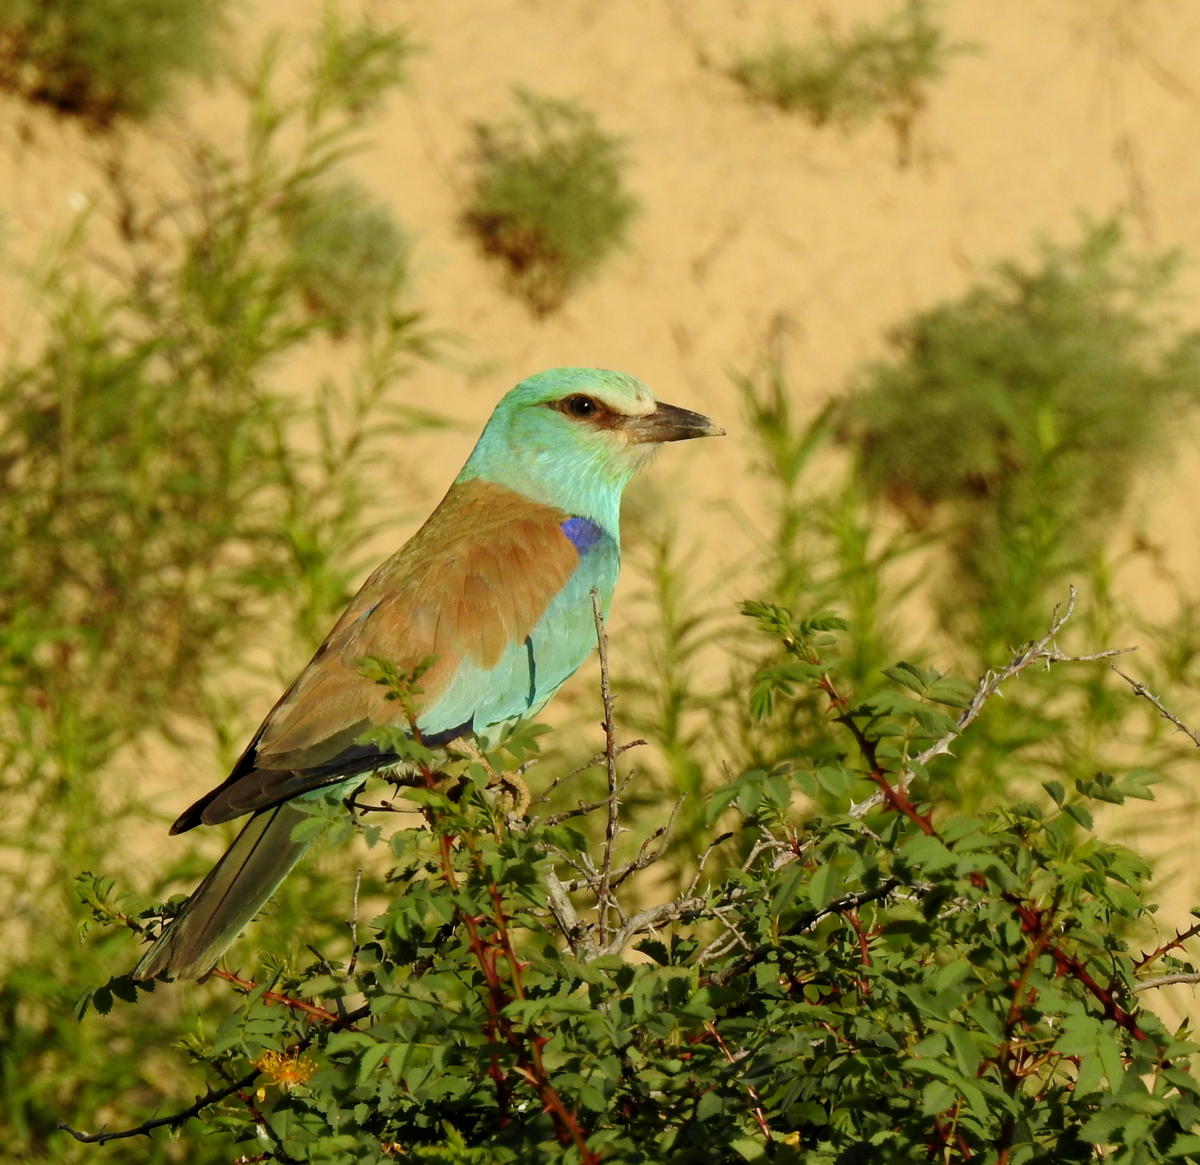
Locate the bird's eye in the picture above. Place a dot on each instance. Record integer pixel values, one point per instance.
(579, 406)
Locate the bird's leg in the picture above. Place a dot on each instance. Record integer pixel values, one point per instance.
(511, 784)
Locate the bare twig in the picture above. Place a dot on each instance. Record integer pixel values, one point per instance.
(704, 858)
(353, 925)
(647, 858)
(1140, 689)
(724, 942)
(610, 768)
(1167, 980)
(1041, 651)
(582, 810)
(175, 1120)
(599, 758)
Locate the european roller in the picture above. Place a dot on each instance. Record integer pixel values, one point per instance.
(495, 587)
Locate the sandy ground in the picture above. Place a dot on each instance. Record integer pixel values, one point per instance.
(1061, 108)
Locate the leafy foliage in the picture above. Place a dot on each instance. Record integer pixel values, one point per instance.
(871, 983)
(104, 61)
(159, 503)
(549, 200)
(1016, 417)
(845, 80)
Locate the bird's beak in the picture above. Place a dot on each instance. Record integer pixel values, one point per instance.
(669, 423)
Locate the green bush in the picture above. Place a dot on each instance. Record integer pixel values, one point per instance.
(103, 61)
(162, 505)
(878, 982)
(1015, 419)
(875, 70)
(549, 200)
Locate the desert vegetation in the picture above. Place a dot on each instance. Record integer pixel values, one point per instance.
(837, 883)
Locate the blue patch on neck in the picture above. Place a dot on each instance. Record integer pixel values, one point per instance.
(583, 533)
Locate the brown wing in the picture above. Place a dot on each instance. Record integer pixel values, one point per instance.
(476, 577)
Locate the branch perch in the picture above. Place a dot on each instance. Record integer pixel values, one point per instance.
(175, 1120)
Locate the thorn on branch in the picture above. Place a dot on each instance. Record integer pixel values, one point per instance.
(1169, 945)
(175, 1120)
(1168, 980)
(1140, 689)
(610, 766)
(599, 758)
(1041, 651)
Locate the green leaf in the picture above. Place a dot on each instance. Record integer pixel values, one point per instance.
(749, 1149)
(936, 1097)
(927, 853)
(823, 885)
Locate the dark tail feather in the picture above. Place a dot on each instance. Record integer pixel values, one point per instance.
(234, 891)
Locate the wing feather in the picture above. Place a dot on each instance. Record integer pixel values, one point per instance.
(477, 577)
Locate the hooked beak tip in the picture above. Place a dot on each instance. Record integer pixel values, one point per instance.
(671, 423)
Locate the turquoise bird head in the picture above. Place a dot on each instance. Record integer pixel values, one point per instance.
(573, 437)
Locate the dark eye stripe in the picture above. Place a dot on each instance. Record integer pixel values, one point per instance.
(587, 409)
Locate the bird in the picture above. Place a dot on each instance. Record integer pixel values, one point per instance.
(492, 595)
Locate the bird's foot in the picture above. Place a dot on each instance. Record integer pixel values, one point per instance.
(509, 789)
(514, 794)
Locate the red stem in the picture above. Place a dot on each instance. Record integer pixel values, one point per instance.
(529, 1060)
(1070, 965)
(1180, 938)
(894, 795)
(312, 1009)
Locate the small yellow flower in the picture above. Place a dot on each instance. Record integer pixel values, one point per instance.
(285, 1068)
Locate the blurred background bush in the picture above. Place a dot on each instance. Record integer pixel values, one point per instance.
(232, 380)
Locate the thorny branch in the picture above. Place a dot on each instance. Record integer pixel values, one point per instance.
(1169, 945)
(804, 924)
(1168, 980)
(175, 1120)
(612, 826)
(1140, 689)
(1041, 651)
(599, 758)
(301, 1005)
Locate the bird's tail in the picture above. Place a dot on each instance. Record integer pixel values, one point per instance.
(234, 891)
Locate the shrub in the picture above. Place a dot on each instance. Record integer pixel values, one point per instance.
(875, 70)
(160, 502)
(103, 61)
(1014, 420)
(549, 201)
(879, 982)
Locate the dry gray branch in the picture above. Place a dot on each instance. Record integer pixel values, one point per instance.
(1041, 651)
(599, 758)
(1140, 689)
(680, 910)
(724, 837)
(569, 922)
(582, 810)
(1168, 980)
(644, 858)
(612, 827)
(174, 1121)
